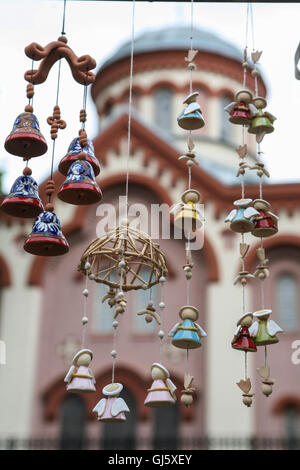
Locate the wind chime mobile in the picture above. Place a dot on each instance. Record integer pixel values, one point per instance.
(253, 217)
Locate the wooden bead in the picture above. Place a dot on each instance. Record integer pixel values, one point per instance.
(27, 171)
(49, 207)
(63, 39)
(82, 115)
(148, 318)
(29, 91)
(28, 109)
(255, 73)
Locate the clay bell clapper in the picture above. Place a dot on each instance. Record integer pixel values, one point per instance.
(186, 214)
(241, 218)
(191, 117)
(262, 122)
(23, 199)
(80, 187)
(241, 109)
(266, 223)
(46, 238)
(25, 139)
(73, 153)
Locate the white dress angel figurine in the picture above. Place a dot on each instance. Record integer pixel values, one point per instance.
(113, 408)
(80, 378)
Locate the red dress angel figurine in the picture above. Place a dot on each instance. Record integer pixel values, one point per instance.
(242, 339)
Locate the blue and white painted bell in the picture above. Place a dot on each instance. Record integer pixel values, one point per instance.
(80, 187)
(46, 238)
(191, 117)
(242, 218)
(72, 156)
(23, 199)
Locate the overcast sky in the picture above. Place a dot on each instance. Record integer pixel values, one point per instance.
(97, 28)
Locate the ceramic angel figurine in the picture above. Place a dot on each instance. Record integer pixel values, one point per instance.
(242, 339)
(162, 391)
(264, 330)
(262, 121)
(266, 223)
(191, 117)
(113, 408)
(187, 334)
(241, 110)
(187, 215)
(80, 378)
(241, 219)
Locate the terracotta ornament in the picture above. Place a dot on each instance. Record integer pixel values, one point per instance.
(80, 378)
(242, 339)
(80, 187)
(242, 109)
(262, 121)
(241, 219)
(187, 334)
(72, 156)
(23, 199)
(112, 408)
(25, 139)
(266, 223)
(245, 386)
(264, 330)
(187, 215)
(162, 391)
(187, 393)
(191, 117)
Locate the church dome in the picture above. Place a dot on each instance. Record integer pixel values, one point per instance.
(176, 38)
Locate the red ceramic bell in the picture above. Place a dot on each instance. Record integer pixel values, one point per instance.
(80, 187)
(266, 224)
(240, 115)
(25, 139)
(46, 238)
(242, 339)
(72, 156)
(23, 199)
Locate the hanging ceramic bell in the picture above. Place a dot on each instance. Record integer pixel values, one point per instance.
(80, 378)
(25, 139)
(46, 238)
(241, 110)
(80, 187)
(162, 391)
(242, 339)
(241, 219)
(187, 334)
(23, 199)
(113, 408)
(266, 224)
(72, 156)
(191, 117)
(262, 122)
(187, 216)
(264, 330)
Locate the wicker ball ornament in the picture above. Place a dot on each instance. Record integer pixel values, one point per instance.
(136, 249)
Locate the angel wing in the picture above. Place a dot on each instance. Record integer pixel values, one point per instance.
(119, 406)
(69, 375)
(250, 212)
(270, 116)
(100, 407)
(273, 328)
(274, 216)
(231, 215)
(230, 107)
(176, 207)
(253, 329)
(92, 375)
(201, 331)
(253, 109)
(191, 108)
(237, 330)
(174, 329)
(171, 386)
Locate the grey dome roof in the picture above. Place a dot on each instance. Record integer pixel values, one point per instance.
(174, 38)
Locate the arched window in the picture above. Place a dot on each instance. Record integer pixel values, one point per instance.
(72, 417)
(166, 421)
(226, 126)
(287, 301)
(163, 108)
(121, 435)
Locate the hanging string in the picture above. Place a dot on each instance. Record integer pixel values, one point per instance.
(187, 362)
(130, 104)
(161, 337)
(64, 19)
(84, 325)
(252, 25)
(191, 44)
(246, 366)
